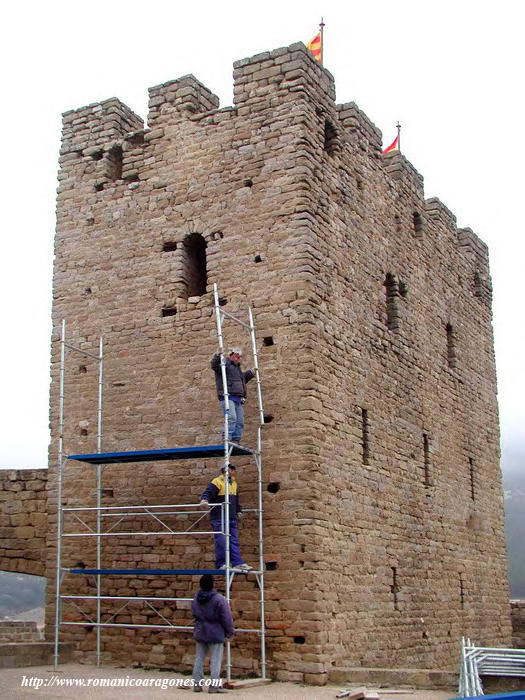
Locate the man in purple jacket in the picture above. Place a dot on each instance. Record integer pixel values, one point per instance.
(213, 624)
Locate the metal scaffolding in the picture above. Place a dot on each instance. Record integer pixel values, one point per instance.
(109, 518)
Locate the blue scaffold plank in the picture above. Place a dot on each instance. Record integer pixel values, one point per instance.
(199, 451)
(150, 572)
(515, 695)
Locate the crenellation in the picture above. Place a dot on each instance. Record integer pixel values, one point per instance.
(436, 210)
(404, 174)
(183, 97)
(353, 119)
(97, 124)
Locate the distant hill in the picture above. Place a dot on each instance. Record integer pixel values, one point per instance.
(20, 593)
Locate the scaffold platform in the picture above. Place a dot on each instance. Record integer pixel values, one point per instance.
(131, 456)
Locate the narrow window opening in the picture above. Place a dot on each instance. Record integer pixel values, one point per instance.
(195, 273)
(426, 461)
(223, 301)
(472, 480)
(365, 436)
(391, 297)
(169, 246)
(397, 219)
(299, 639)
(248, 182)
(271, 565)
(461, 591)
(394, 588)
(169, 311)
(108, 493)
(418, 223)
(451, 347)
(257, 259)
(268, 341)
(273, 487)
(83, 432)
(478, 284)
(114, 162)
(268, 418)
(330, 137)
(82, 369)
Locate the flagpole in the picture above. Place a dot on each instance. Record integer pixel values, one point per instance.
(321, 27)
(398, 125)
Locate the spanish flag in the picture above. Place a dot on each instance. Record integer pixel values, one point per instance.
(394, 146)
(314, 46)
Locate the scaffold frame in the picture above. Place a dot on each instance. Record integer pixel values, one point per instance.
(156, 513)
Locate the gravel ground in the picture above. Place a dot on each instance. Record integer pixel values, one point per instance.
(17, 683)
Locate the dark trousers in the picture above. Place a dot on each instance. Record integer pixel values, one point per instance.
(220, 545)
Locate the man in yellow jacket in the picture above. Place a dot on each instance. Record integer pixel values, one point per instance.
(214, 496)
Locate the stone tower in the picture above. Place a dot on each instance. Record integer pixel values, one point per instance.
(384, 516)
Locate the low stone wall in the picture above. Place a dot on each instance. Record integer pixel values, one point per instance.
(23, 520)
(19, 631)
(517, 615)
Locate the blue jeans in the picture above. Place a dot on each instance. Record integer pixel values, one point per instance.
(220, 544)
(235, 420)
(215, 663)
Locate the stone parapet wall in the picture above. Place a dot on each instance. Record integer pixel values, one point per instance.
(23, 520)
(19, 631)
(517, 616)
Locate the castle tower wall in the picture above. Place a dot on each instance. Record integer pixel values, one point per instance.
(385, 533)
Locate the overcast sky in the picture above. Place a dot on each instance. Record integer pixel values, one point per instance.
(450, 72)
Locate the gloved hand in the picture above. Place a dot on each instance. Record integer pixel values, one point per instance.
(204, 504)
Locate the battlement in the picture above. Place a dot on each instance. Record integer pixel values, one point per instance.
(97, 124)
(184, 97)
(266, 81)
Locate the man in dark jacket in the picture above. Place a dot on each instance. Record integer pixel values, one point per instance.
(214, 495)
(213, 624)
(236, 381)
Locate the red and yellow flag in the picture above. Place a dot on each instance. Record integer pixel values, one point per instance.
(394, 146)
(314, 46)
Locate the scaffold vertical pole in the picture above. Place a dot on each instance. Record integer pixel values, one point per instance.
(226, 510)
(258, 462)
(99, 484)
(58, 610)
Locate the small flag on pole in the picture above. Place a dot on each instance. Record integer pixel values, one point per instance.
(396, 143)
(394, 146)
(314, 46)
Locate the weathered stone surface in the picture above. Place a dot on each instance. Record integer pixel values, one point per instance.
(23, 521)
